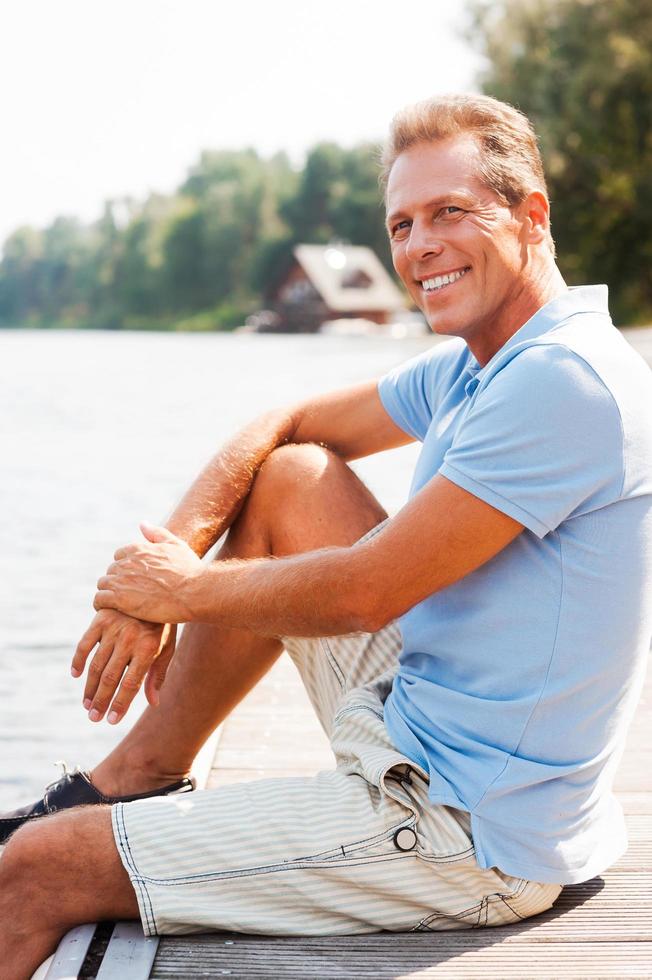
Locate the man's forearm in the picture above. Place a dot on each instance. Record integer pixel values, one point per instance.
(214, 500)
(319, 593)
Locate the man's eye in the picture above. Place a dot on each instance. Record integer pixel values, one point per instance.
(400, 228)
(450, 210)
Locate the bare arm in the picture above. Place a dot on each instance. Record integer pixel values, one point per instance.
(441, 535)
(352, 422)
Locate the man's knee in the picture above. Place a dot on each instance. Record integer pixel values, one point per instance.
(27, 846)
(24, 864)
(56, 862)
(306, 496)
(301, 465)
(308, 472)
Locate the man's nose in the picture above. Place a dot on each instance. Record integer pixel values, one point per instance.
(423, 242)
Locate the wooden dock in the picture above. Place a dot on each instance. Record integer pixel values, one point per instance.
(602, 928)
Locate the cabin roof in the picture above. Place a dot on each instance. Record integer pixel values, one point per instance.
(349, 277)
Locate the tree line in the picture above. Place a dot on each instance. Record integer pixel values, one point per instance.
(200, 258)
(203, 257)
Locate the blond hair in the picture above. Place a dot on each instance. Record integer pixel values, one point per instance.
(510, 162)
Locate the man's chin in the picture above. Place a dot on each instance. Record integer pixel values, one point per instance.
(444, 326)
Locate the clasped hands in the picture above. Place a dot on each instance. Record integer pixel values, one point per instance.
(153, 579)
(145, 592)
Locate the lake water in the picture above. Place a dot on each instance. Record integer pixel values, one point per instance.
(97, 432)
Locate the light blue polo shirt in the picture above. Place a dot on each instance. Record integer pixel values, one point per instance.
(516, 684)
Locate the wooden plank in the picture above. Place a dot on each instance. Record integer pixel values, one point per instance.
(129, 955)
(637, 858)
(633, 802)
(613, 889)
(406, 957)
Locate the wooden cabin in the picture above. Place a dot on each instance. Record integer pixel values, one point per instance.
(333, 282)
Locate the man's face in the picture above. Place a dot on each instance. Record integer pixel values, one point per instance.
(457, 248)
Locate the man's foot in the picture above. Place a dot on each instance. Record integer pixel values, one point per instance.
(74, 788)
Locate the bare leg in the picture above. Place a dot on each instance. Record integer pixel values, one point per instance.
(56, 874)
(304, 498)
(65, 869)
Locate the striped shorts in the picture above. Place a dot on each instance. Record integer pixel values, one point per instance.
(355, 849)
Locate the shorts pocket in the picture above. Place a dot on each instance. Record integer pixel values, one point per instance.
(390, 831)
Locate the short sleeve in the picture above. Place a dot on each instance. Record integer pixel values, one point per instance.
(410, 392)
(542, 441)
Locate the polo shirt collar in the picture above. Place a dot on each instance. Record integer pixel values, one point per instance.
(576, 299)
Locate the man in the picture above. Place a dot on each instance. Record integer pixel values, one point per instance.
(475, 660)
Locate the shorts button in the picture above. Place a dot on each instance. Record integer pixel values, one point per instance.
(405, 839)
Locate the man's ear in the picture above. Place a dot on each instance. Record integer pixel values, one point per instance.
(535, 213)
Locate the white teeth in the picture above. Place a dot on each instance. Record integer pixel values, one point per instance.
(439, 281)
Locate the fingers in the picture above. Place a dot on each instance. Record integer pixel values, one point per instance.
(117, 671)
(156, 675)
(105, 674)
(105, 599)
(126, 551)
(155, 533)
(106, 596)
(120, 567)
(114, 679)
(132, 680)
(158, 671)
(112, 594)
(92, 636)
(151, 532)
(95, 671)
(126, 648)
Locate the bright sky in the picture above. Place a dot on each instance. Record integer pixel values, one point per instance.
(106, 99)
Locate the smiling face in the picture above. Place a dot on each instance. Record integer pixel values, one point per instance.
(460, 251)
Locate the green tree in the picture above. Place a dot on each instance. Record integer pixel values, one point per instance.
(105, 303)
(309, 213)
(20, 297)
(358, 214)
(338, 197)
(582, 71)
(138, 274)
(60, 271)
(201, 257)
(228, 208)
